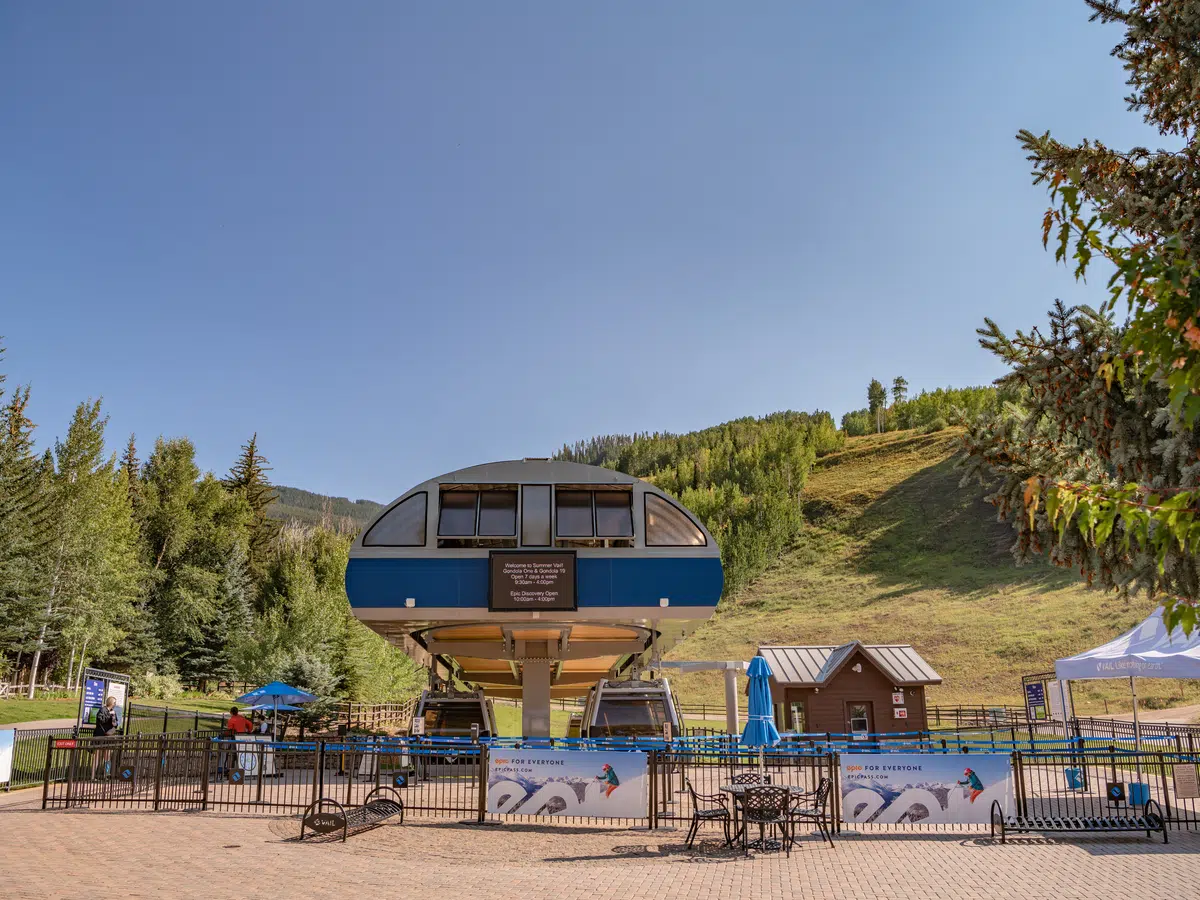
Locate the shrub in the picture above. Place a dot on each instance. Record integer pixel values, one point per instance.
(936, 425)
(153, 686)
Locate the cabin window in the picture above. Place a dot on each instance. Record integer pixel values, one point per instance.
(614, 514)
(575, 514)
(668, 526)
(860, 718)
(535, 515)
(457, 517)
(401, 526)
(497, 513)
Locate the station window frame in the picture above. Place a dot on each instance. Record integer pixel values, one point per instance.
(549, 511)
(474, 519)
(646, 521)
(366, 540)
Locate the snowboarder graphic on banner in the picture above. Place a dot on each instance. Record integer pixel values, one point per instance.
(972, 783)
(609, 777)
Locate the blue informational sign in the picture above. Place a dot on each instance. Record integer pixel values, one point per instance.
(1035, 700)
(601, 783)
(925, 788)
(93, 699)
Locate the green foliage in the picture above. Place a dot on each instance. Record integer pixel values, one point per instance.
(742, 478)
(161, 571)
(335, 513)
(151, 686)
(899, 389)
(1099, 468)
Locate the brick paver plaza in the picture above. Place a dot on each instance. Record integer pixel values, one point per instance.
(136, 854)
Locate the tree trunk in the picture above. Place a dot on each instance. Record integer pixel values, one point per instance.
(71, 668)
(37, 654)
(82, 659)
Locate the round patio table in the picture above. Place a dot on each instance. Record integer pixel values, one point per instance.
(738, 791)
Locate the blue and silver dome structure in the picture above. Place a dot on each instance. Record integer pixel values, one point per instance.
(534, 578)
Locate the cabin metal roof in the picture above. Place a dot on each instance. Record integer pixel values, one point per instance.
(535, 471)
(813, 666)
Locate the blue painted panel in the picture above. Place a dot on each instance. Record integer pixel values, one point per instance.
(436, 583)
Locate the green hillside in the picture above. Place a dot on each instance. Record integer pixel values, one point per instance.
(894, 550)
(305, 506)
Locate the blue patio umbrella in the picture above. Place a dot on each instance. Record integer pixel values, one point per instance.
(760, 726)
(275, 695)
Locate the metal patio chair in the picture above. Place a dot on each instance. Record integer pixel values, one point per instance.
(813, 807)
(706, 808)
(766, 805)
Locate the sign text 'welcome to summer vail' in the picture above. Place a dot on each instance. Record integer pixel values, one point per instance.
(532, 581)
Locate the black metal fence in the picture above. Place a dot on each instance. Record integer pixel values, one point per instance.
(449, 780)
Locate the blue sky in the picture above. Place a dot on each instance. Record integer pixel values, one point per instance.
(395, 238)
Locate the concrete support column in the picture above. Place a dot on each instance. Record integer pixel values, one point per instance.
(731, 701)
(535, 698)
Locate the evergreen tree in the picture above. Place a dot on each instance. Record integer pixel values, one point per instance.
(876, 402)
(24, 530)
(248, 479)
(1098, 467)
(899, 389)
(132, 470)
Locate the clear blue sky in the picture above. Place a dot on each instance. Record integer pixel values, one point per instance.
(396, 238)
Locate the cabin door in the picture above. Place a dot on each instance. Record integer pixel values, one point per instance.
(860, 719)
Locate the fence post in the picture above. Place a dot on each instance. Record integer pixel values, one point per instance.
(46, 776)
(204, 783)
(835, 777)
(158, 768)
(483, 765)
(1166, 794)
(72, 758)
(652, 812)
(166, 713)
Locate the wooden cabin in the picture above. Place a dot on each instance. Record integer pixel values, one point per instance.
(854, 689)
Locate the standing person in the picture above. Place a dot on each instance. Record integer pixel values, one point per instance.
(237, 724)
(106, 726)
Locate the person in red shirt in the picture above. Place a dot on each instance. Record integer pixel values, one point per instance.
(235, 725)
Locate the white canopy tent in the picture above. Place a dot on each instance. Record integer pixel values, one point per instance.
(1146, 650)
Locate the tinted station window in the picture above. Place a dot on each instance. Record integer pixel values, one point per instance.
(497, 513)
(457, 517)
(575, 514)
(401, 526)
(614, 515)
(669, 526)
(535, 515)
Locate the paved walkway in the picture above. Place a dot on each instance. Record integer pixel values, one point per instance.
(41, 723)
(133, 854)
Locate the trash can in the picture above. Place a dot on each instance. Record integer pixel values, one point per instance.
(1139, 793)
(1074, 779)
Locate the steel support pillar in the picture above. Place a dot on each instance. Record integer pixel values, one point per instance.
(535, 698)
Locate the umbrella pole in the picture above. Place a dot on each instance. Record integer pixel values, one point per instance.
(275, 723)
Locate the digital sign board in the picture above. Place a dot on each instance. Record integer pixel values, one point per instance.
(528, 582)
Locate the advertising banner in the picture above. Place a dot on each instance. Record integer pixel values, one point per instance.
(924, 788)
(611, 783)
(6, 754)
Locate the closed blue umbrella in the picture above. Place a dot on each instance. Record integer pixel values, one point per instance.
(275, 695)
(760, 727)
